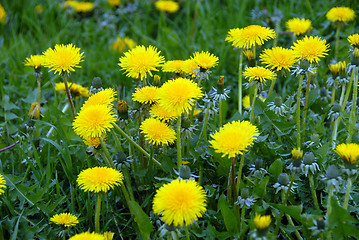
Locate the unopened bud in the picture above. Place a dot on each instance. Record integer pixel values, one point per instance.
(185, 172)
(283, 179)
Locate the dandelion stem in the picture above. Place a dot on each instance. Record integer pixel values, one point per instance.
(179, 147)
(353, 115)
(240, 82)
(337, 121)
(271, 87)
(337, 37)
(329, 207)
(239, 176)
(69, 95)
(125, 193)
(220, 112)
(128, 182)
(298, 111)
(136, 145)
(231, 182)
(305, 110)
(117, 141)
(312, 189)
(204, 128)
(38, 89)
(347, 194)
(97, 213)
(187, 233)
(253, 102)
(107, 154)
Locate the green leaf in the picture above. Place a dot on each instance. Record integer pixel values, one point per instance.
(276, 168)
(261, 189)
(16, 229)
(142, 220)
(230, 220)
(293, 211)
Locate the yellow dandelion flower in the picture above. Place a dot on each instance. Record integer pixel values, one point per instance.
(66, 219)
(354, 40)
(93, 121)
(108, 235)
(35, 61)
(349, 152)
(34, 112)
(337, 68)
(140, 61)
(174, 66)
(190, 67)
(114, 3)
(297, 153)
(196, 112)
(246, 102)
(167, 6)
(146, 95)
(88, 236)
(99, 179)
(178, 95)
(63, 58)
(160, 112)
(75, 88)
(298, 26)
(2, 184)
(262, 222)
(94, 141)
(2, 14)
(180, 202)
(259, 74)
(39, 9)
(278, 58)
(340, 14)
(121, 44)
(157, 132)
(234, 138)
(205, 60)
(248, 53)
(80, 7)
(250, 36)
(105, 97)
(311, 48)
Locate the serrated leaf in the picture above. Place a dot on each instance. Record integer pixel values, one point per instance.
(293, 211)
(230, 220)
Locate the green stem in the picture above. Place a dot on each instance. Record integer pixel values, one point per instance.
(97, 213)
(337, 121)
(200, 174)
(314, 194)
(179, 147)
(125, 193)
(309, 6)
(298, 111)
(187, 233)
(347, 194)
(204, 128)
(353, 115)
(337, 37)
(117, 141)
(306, 103)
(136, 145)
(220, 113)
(128, 182)
(329, 207)
(230, 187)
(107, 154)
(271, 87)
(240, 82)
(239, 176)
(69, 95)
(253, 102)
(39, 89)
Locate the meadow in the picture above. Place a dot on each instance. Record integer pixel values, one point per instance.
(188, 120)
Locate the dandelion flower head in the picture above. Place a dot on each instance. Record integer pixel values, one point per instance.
(75, 88)
(157, 132)
(105, 97)
(311, 48)
(94, 141)
(167, 6)
(114, 3)
(99, 179)
(93, 121)
(160, 112)
(34, 112)
(180, 202)
(234, 138)
(146, 95)
(258, 74)
(63, 58)
(121, 44)
(35, 61)
(349, 152)
(297, 154)
(2, 184)
(250, 36)
(88, 236)
(337, 68)
(298, 26)
(354, 40)
(205, 60)
(66, 219)
(2, 14)
(278, 58)
(262, 222)
(178, 95)
(246, 103)
(174, 66)
(190, 67)
(80, 7)
(340, 14)
(140, 61)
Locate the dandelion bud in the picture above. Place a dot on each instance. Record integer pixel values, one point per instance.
(355, 57)
(185, 172)
(96, 85)
(34, 112)
(336, 108)
(258, 163)
(304, 64)
(278, 101)
(332, 172)
(122, 109)
(245, 193)
(120, 157)
(297, 154)
(262, 223)
(308, 158)
(220, 85)
(170, 228)
(283, 179)
(320, 224)
(157, 80)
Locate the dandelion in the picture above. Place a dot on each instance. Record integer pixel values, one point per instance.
(297, 154)
(2, 184)
(157, 132)
(140, 61)
(234, 138)
(145, 95)
(99, 179)
(354, 40)
(108, 235)
(94, 141)
(160, 112)
(34, 112)
(311, 48)
(250, 36)
(93, 121)
(105, 97)
(349, 152)
(262, 222)
(190, 67)
(75, 88)
(180, 202)
(340, 14)
(65, 219)
(63, 58)
(337, 68)
(167, 6)
(121, 44)
(246, 101)
(114, 3)
(80, 7)
(205, 60)
(174, 66)
(298, 26)
(278, 58)
(2, 14)
(178, 95)
(258, 74)
(35, 61)
(88, 236)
